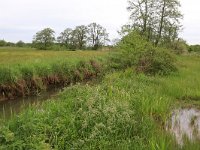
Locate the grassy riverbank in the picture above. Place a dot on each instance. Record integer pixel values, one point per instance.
(125, 111)
(25, 72)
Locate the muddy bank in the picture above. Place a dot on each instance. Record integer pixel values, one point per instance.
(84, 71)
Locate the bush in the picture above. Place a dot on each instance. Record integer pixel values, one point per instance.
(155, 61)
(20, 44)
(129, 50)
(179, 47)
(135, 51)
(2, 43)
(194, 48)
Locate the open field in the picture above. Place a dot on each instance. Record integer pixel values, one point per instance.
(125, 111)
(12, 56)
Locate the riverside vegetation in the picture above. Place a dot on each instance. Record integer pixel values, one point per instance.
(144, 79)
(125, 111)
(25, 72)
(129, 109)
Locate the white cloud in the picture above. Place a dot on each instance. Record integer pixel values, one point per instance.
(21, 19)
(191, 21)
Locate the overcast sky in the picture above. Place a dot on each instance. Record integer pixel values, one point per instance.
(21, 19)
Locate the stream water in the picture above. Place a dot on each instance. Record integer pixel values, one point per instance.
(10, 108)
(185, 125)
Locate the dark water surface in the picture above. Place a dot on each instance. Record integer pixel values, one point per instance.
(11, 108)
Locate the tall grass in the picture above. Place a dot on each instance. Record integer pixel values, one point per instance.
(17, 63)
(27, 72)
(125, 111)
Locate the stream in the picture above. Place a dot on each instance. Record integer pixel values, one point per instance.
(10, 108)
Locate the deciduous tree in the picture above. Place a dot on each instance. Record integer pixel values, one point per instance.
(81, 36)
(44, 39)
(98, 35)
(158, 20)
(65, 37)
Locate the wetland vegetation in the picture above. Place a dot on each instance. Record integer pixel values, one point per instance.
(147, 95)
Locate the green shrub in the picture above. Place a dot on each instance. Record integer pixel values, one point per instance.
(135, 51)
(128, 51)
(2, 43)
(155, 61)
(179, 47)
(194, 48)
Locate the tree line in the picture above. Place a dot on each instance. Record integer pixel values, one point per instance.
(20, 43)
(159, 21)
(92, 36)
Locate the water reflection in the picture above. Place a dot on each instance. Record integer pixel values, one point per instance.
(13, 107)
(185, 125)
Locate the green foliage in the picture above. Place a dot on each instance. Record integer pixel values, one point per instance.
(2, 43)
(136, 51)
(194, 48)
(129, 50)
(65, 38)
(98, 35)
(27, 72)
(125, 111)
(178, 46)
(8, 75)
(29, 63)
(158, 20)
(44, 39)
(156, 61)
(58, 47)
(85, 118)
(10, 44)
(43, 70)
(20, 44)
(92, 36)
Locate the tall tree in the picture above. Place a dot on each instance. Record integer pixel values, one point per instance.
(20, 43)
(2, 43)
(169, 17)
(97, 35)
(142, 15)
(44, 39)
(65, 37)
(81, 36)
(125, 29)
(156, 19)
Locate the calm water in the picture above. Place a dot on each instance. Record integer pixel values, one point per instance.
(13, 107)
(185, 125)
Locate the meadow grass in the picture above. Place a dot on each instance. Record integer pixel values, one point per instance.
(125, 111)
(13, 56)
